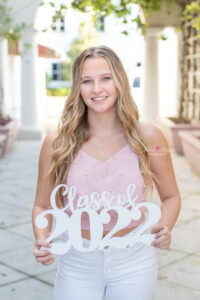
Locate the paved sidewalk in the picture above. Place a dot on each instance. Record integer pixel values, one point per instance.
(21, 278)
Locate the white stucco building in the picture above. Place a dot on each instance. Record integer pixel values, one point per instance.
(23, 77)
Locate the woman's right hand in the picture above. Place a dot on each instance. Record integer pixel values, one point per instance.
(43, 256)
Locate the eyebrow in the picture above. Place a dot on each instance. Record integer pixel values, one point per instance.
(100, 75)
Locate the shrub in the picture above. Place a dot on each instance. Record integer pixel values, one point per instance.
(59, 92)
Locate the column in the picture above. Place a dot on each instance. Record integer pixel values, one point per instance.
(29, 128)
(151, 75)
(3, 73)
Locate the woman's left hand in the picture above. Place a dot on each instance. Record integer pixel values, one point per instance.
(162, 237)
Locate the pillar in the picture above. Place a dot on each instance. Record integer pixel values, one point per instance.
(29, 128)
(3, 74)
(151, 75)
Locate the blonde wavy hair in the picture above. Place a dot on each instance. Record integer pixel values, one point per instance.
(73, 128)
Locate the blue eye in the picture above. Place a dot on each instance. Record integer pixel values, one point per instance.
(106, 78)
(86, 81)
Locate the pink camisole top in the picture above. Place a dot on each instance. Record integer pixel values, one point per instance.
(116, 181)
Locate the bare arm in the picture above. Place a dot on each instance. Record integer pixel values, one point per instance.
(161, 166)
(42, 199)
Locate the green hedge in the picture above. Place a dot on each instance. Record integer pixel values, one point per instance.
(63, 91)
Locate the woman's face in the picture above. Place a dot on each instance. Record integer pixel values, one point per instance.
(98, 90)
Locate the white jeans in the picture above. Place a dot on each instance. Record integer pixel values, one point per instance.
(116, 274)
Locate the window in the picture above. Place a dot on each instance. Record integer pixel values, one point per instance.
(61, 71)
(136, 82)
(58, 24)
(100, 24)
(56, 71)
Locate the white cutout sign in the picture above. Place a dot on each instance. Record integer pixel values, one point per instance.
(127, 210)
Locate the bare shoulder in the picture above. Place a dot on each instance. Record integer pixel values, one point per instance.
(151, 135)
(47, 146)
(50, 137)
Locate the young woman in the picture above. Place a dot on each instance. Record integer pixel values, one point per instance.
(101, 145)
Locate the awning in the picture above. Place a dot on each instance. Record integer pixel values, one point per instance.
(13, 49)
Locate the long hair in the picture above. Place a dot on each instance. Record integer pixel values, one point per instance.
(73, 128)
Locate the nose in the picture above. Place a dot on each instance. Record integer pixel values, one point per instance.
(97, 87)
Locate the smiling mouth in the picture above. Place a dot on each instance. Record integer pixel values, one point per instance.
(98, 99)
